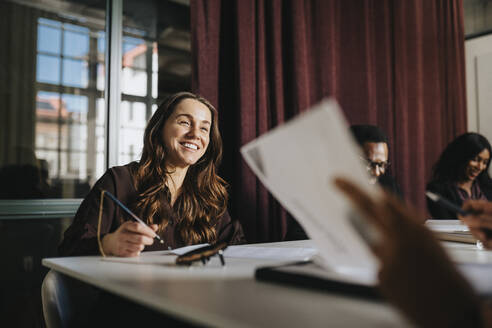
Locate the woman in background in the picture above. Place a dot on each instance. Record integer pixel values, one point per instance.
(174, 188)
(461, 173)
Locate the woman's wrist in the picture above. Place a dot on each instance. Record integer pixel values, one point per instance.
(106, 244)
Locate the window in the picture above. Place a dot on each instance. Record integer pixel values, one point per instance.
(55, 116)
(156, 62)
(68, 131)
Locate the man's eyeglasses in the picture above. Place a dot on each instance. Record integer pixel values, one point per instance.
(374, 165)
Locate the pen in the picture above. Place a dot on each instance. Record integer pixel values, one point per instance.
(136, 218)
(446, 203)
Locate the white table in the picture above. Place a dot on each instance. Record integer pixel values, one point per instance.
(227, 296)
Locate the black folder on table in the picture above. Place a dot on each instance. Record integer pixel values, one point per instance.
(310, 275)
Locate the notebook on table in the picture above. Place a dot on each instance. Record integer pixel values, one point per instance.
(451, 230)
(309, 274)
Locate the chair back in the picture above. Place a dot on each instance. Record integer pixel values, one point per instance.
(66, 301)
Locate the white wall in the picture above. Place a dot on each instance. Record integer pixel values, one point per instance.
(478, 57)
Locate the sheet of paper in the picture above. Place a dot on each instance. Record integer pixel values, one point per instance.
(297, 162)
(157, 257)
(270, 253)
(177, 251)
(163, 259)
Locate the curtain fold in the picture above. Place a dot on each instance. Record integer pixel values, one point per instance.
(396, 64)
(18, 32)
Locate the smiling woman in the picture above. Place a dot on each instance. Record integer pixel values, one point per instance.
(174, 188)
(461, 173)
(187, 133)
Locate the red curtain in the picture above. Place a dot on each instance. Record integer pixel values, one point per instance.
(397, 64)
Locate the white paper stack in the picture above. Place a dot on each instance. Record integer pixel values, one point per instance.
(451, 230)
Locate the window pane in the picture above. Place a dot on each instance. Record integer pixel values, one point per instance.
(101, 77)
(133, 120)
(75, 104)
(76, 28)
(47, 104)
(47, 112)
(156, 62)
(48, 69)
(49, 39)
(97, 142)
(57, 114)
(134, 82)
(75, 73)
(154, 85)
(75, 44)
(130, 42)
(134, 52)
(101, 45)
(47, 101)
(50, 22)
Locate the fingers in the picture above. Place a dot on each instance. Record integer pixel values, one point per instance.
(137, 239)
(402, 213)
(134, 248)
(139, 228)
(480, 224)
(482, 235)
(362, 200)
(482, 221)
(127, 249)
(131, 238)
(114, 244)
(487, 243)
(479, 234)
(478, 206)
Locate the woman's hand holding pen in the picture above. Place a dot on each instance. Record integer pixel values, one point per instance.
(479, 220)
(129, 239)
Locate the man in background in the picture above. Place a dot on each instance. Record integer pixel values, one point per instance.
(374, 144)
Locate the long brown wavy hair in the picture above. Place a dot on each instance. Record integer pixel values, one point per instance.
(203, 197)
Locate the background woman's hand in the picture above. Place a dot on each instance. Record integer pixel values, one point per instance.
(129, 239)
(415, 275)
(480, 220)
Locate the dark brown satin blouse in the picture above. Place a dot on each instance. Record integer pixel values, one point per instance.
(81, 237)
(476, 193)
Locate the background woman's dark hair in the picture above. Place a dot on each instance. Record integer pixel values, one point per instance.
(204, 196)
(450, 168)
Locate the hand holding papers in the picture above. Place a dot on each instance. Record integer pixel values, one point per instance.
(298, 162)
(416, 274)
